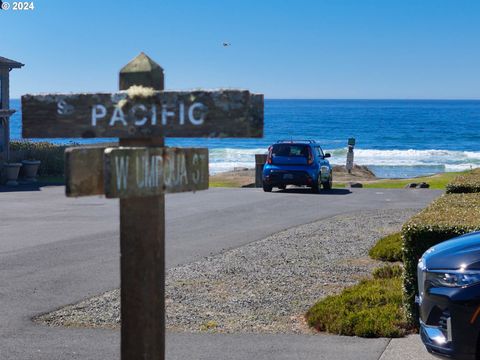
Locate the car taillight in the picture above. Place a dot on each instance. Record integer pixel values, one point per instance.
(269, 156)
(310, 157)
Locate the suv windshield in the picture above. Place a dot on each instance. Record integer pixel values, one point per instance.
(290, 150)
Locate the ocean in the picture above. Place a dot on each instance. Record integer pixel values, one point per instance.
(394, 138)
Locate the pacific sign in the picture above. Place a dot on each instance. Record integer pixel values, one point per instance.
(144, 112)
(142, 115)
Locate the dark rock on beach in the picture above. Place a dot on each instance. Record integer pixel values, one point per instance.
(422, 185)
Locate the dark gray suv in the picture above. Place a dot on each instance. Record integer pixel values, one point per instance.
(449, 297)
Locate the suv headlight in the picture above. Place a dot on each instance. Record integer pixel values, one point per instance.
(453, 278)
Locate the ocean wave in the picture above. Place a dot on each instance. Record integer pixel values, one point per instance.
(411, 157)
(229, 158)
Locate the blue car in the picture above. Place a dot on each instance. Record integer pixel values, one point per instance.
(297, 162)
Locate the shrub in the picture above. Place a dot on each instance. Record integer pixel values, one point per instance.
(372, 308)
(466, 183)
(388, 272)
(388, 248)
(51, 155)
(449, 216)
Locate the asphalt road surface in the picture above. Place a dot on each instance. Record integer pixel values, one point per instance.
(56, 251)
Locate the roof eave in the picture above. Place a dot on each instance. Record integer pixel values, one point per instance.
(16, 66)
(9, 63)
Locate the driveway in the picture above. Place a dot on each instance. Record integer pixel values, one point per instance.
(56, 251)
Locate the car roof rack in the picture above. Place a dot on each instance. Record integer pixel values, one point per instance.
(297, 141)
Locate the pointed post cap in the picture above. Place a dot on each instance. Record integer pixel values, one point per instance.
(142, 71)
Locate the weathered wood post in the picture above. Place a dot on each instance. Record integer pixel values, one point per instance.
(351, 145)
(142, 244)
(260, 160)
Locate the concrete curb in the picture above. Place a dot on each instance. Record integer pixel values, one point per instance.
(407, 348)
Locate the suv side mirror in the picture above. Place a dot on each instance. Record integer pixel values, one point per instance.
(327, 155)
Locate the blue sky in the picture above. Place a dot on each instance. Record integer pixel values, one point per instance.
(284, 49)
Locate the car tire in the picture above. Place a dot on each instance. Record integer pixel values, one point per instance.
(328, 185)
(316, 186)
(267, 188)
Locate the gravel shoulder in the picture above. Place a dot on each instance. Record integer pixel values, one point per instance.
(263, 287)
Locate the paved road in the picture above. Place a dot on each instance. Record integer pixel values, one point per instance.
(55, 251)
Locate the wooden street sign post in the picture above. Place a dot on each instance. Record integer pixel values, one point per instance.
(140, 171)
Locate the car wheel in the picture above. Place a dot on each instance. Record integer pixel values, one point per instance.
(316, 186)
(328, 185)
(267, 188)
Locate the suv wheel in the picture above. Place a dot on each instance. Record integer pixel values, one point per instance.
(267, 188)
(328, 185)
(316, 186)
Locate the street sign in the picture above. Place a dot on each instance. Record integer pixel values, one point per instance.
(143, 112)
(145, 171)
(148, 171)
(140, 171)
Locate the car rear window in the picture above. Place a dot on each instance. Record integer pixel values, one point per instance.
(290, 150)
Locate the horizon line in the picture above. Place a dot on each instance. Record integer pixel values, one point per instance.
(376, 99)
(358, 99)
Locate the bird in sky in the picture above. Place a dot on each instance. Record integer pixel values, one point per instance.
(225, 44)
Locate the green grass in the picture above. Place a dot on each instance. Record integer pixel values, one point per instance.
(388, 272)
(436, 182)
(388, 248)
(224, 183)
(372, 308)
